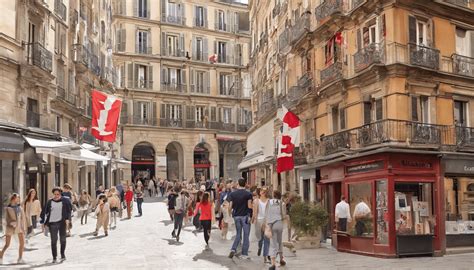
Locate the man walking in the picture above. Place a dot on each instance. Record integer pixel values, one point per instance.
(56, 215)
(342, 214)
(241, 203)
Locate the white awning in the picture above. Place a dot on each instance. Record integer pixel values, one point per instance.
(254, 159)
(89, 146)
(84, 155)
(50, 146)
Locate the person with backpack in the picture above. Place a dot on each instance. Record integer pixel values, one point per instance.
(180, 209)
(275, 214)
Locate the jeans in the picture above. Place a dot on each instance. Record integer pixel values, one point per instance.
(242, 223)
(262, 240)
(139, 205)
(84, 216)
(178, 222)
(56, 228)
(206, 225)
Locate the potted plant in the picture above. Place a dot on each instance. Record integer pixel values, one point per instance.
(307, 219)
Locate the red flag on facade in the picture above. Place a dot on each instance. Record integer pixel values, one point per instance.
(105, 116)
(289, 137)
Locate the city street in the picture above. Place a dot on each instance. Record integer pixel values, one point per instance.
(146, 243)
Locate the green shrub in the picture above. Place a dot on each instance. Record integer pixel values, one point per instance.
(308, 218)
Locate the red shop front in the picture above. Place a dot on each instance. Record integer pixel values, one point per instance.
(394, 203)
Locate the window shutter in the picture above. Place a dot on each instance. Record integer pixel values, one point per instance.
(229, 22)
(137, 43)
(216, 20)
(130, 81)
(148, 8)
(163, 111)
(414, 108)
(150, 77)
(180, 111)
(118, 39)
(219, 114)
(205, 49)
(382, 27)
(136, 110)
(124, 113)
(342, 120)
(123, 39)
(194, 56)
(181, 45)
(196, 15)
(163, 10)
(155, 112)
(236, 22)
(163, 44)
(229, 50)
(215, 47)
(148, 48)
(472, 43)
(367, 113)
(135, 8)
(122, 75)
(412, 29)
(213, 114)
(378, 110)
(183, 79)
(239, 116)
(430, 33)
(190, 113)
(192, 79)
(207, 79)
(359, 39)
(205, 17)
(164, 76)
(123, 7)
(135, 76)
(183, 13)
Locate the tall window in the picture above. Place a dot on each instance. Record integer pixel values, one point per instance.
(221, 51)
(142, 76)
(199, 49)
(460, 113)
(142, 8)
(464, 42)
(200, 113)
(420, 31)
(172, 45)
(335, 119)
(227, 115)
(32, 114)
(225, 84)
(200, 82)
(200, 17)
(174, 112)
(420, 109)
(142, 41)
(221, 25)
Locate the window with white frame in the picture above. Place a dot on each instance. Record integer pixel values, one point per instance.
(420, 31)
(227, 115)
(221, 23)
(225, 84)
(174, 112)
(460, 113)
(172, 43)
(142, 8)
(142, 41)
(420, 109)
(200, 113)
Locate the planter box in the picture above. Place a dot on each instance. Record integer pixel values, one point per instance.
(415, 245)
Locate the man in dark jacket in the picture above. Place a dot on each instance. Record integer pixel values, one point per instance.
(56, 215)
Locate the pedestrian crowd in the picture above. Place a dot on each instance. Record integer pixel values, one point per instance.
(202, 204)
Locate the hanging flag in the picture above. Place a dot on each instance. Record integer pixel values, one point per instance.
(339, 38)
(105, 116)
(289, 137)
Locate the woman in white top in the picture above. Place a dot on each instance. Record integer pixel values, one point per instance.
(32, 208)
(259, 208)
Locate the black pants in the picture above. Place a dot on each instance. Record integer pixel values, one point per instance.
(178, 222)
(139, 205)
(206, 225)
(342, 224)
(56, 228)
(84, 216)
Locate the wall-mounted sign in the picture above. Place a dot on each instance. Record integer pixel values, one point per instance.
(367, 167)
(416, 164)
(459, 166)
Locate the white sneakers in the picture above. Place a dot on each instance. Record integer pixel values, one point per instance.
(20, 261)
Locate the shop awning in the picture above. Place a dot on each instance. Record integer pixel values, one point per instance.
(50, 146)
(254, 159)
(11, 142)
(84, 155)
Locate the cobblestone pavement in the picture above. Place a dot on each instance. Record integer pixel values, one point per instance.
(146, 243)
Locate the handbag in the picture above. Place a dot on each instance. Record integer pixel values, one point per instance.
(268, 231)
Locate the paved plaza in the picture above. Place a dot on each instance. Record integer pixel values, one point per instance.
(146, 243)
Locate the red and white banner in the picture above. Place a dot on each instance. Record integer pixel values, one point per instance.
(105, 116)
(289, 137)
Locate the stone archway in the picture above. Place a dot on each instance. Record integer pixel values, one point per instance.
(143, 161)
(174, 161)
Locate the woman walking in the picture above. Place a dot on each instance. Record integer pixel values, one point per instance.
(259, 207)
(180, 209)
(274, 216)
(206, 209)
(32, 208)
(171, 202)
(129, 201)
(84, 204)
(102, 212)
(16, 225)
(139, 195)
(114, 203)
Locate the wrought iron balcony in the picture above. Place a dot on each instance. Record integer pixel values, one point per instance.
(463, 65)
(372, 54)
(331, 73)
(60, 92)
(143, 84)
(60, 9)
(356, 3)
(171, 122)
(400, 132)
(82, 55)
(243, 128)
(228, 127)
(423, 56)
(196, 124)
(328, 8)
(173, 87)
(144, 50)
(215, 125)
(71, 98)
(39, 56)
(221, 26)
(465, 137)
(173, 19)
(463, 3)
(200, 89)
(276, 10)
(266, 107)
(94, 64)
(301, 27)
(138, 120)
(32, 119)
(199, 22)
(284, 40)
(305, 80)
(88, 138)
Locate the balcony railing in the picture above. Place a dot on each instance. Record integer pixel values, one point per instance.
(465, 136)
(276, 10)
(463, 3)
(356, 3)
(173, 87)
(266, 107)
(371, 54)
(305, 80)
(173, 19)
(61, 92)
(331, 73)
(423, 56)
(71, 98)
(39, 56)
(88, 138)
(387, 131)
(198, 22)
(463, 65)
(167, 122)
(196, 124)
(94, 64)
(138, 120)
(82, 55)
(32, 119)
(174, 52)
(284, 40)
(228, 127)
(243, 128)
(144, 50)
(60, 9)
(200, 89)
(301, 27)
(328, 8)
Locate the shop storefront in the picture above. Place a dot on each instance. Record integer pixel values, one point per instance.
(394, 200)
(459, 201)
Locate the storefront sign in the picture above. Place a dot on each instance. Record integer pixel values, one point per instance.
(365, 167)
(459, 166)
(11, 142)
(416, 164)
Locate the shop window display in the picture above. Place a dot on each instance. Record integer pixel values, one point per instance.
(414, 209)
(361, 208)
(459, 204)
(382, 212)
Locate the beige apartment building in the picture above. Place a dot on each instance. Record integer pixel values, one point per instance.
(52, 53)
(182, 72)
(384, 91)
